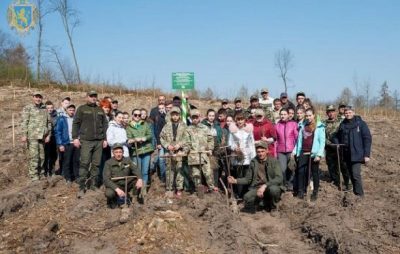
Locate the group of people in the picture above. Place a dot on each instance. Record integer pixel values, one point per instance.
(259, 152)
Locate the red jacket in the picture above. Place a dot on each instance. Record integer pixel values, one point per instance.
(287, 133)
(265, 129)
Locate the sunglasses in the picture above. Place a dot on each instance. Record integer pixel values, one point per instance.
(136, 115)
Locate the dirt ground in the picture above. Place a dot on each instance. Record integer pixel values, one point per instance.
(46, 217)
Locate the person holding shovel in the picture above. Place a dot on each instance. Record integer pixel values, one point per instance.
(309, 150)
(115, 171)
(140, 138)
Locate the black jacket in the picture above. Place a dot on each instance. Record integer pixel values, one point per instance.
(356, 137)
(90, 123)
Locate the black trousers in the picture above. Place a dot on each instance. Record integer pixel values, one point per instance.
(71, 162)
(354, 169)
(303, 174)
(50, 156)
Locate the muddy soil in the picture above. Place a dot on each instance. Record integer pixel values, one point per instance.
(46, 217)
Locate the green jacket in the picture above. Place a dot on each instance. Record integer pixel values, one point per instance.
(200, 139)
(90, 123)
(273, 174)
(36, 122)
(140, 130)
(114, 168)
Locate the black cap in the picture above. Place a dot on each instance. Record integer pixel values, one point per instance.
(284, 95)
(300, 94)
(114, 102)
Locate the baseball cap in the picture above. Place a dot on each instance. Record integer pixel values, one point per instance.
(238, 99)
(284, 95)
(254, 98)
(224, 101)
(37, 95)
(175, 109)
(264, 90)
(261, 144)
(195, 112)
(259, 112)
(330, 108)
(117, 146)
(92, 93)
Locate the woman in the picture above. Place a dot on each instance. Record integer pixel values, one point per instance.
(291, 114)
(241, 142)
(140, 138)
(300, 114)
(105, 105)
(286, 138)
(116, 132)
(307, 103)
(309, 149)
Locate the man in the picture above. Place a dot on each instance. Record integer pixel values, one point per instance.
(285, 101)
(222, 117)
(158, 124)
(177, 101)
(354, 133)
(119, 166)
(254, 104)
(63, 106)
(264, 131)
(265, 179)
(331, 127)
(300, 97)
(266, 101)
(225, 106)
(114, 108)
(238, 106)
(89, 133)
(36, 130)
(276, 110)
(50, 148)
(341, 108)
(154, 111)
(201, 144)
(173, 137)
(63, 133)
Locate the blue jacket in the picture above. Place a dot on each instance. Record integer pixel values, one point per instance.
(356, 137)
(61, 131)
(318, 146)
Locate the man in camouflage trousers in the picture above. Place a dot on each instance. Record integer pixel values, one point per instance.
(201, 143)
(35, 128)
(331, 127)
(173, 137)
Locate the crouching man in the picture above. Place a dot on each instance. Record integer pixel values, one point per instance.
(116, 167)
(265, 179)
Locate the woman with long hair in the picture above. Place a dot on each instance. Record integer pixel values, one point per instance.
(286, 138)
(140, 138)
(309, 150)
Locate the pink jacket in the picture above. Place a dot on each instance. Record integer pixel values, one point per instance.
(286, 133)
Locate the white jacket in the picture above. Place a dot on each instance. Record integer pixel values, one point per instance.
(245, 140)
(116, 133)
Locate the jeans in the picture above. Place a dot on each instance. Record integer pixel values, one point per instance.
(144, 165)
(161, 163)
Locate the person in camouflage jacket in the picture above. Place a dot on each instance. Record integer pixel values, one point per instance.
(201, 143)
(173, 138)
(331, 127)
(36, 129)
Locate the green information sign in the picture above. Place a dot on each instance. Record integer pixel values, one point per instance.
(183, 80)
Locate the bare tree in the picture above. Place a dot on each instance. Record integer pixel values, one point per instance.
(42, 12)
(367, 93)
(284, 62)
(345, 96)
(396, 99)
(243, 93)
(70, 20)
(208, 94)
(58, 60)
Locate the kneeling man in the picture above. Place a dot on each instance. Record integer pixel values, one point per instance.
(115, 170)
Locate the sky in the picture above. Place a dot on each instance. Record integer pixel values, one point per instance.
(228, 44)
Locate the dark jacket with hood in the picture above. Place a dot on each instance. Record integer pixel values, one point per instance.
(356, 137)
